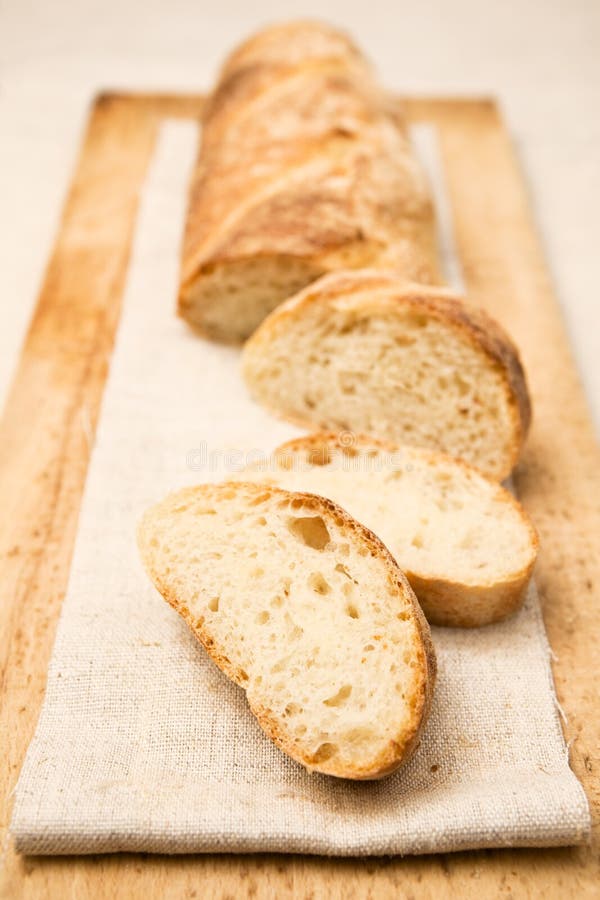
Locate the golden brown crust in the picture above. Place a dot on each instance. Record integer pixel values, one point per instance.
(303, 156)
(399, 750)
(451, 605)
(293, 42)
(444, 601)
(378, 292)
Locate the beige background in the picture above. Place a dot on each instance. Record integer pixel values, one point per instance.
(541, 57)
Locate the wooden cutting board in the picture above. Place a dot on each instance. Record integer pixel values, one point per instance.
(47, 433)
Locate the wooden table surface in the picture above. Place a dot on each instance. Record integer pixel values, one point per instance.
(46, 437)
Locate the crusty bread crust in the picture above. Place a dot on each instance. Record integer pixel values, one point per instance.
(371, 292)
(399, 749)
(303, 158)
(444, 601)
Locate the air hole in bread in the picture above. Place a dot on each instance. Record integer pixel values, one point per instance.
(261, 520)
(325, 751)
(417, 541)
(461, 384)
(356, 326)
(293, 709)
(263, 617)
(213, 604)
(340, 697)
(352, 611)
(318, 583)
(347, 382)
(311, 530)
(340, 567)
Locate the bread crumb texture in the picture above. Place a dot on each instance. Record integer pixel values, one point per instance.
(306, 610)
(367, 352)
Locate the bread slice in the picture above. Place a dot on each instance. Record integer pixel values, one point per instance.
(465, 544)
(365, 351)
(307, 611)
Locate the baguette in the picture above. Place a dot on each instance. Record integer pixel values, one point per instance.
(465, 544)
(305, 167)
(307, 611)
(364, 351)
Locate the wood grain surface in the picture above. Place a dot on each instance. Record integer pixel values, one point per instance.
(45, 440)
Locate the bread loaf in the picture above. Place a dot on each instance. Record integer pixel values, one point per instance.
(305, 167)
(306, 610)
(364, 351)
(465, 544)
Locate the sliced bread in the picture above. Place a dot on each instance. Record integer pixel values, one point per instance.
(364, 351)
(305, 167)
(307, 611)
(465, 544)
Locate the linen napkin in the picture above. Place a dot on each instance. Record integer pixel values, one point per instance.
(143, 745)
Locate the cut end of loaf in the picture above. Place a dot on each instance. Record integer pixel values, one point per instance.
(227, 302)
(305, 609)
(364, 351)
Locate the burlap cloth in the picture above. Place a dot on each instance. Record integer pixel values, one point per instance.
(144, 745)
